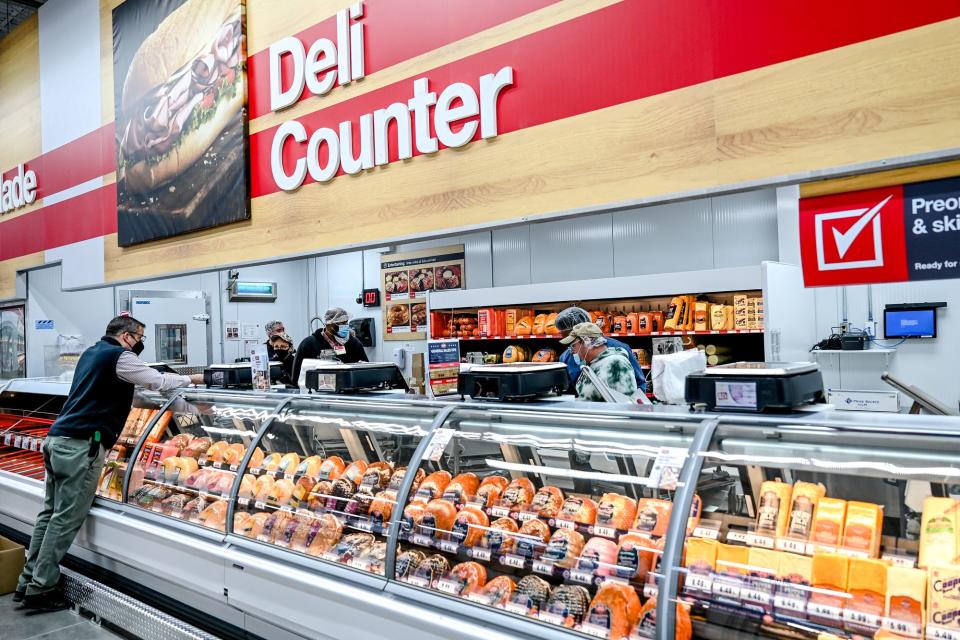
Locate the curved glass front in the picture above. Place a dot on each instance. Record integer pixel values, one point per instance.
(327, 481)
(146, 407)
(188, 463)
(553, 516)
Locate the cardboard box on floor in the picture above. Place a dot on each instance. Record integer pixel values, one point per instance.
(12, 557)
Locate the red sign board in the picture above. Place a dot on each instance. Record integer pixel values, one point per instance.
(892, 234)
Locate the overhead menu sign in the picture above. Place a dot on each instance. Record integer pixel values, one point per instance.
(891, 234)
(407, 278)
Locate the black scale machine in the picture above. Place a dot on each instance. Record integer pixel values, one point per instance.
(337, 377)
(756, 386)
(513, 381)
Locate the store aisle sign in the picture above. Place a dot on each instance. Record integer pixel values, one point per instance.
(426, 122)
(890, 234)
(43, 325)
(18, 191)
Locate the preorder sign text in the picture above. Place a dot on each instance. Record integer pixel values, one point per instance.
(426, 121)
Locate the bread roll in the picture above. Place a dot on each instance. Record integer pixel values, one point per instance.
(547, 502)
(564, 548)
(616, 511)
(438, 518)
(581, 510)
(500, 537)
(462, 488)
(332, 468)
(518, 493)
(469, 525)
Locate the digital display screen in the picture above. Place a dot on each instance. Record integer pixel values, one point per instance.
(910, 323)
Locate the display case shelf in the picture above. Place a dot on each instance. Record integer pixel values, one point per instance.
(654, 334)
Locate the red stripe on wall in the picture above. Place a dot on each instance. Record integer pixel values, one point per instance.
(393, 32)
(86, 216)
(89, 156)
(625, 52)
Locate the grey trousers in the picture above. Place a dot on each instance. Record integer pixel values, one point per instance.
(71, 486)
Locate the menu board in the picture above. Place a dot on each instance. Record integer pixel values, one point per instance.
(407, 278)
(443, 365)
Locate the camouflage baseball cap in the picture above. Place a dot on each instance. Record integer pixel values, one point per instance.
(583, 330)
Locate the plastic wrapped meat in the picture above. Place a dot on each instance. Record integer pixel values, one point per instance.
(310, 466)
(412, 517)
(518, 493)
(433, 486)
(376, 477)
(433, 568)
(353, 545)
(533, 538)
(581, 510)
(500, 537)
(564, 548)
(215, 516)
(253, 526)
(570, 602)
(332, 468)
(462, 488)
(274, 524)
(547, 502)
(282, 492)
(341, 492)
(533, 589)
(197, 447)
(408, 562)
(499, 590)
(615, 607)
(471, 575)
(376, 557)
(396, 480)
(616, 511)
(263, 487)
(359, 504)
(324, 534)
(195, 507)
(469, 526)
(175, 503)
(599, 556)
(317, 501)
(354, 472)
(248, 485)
(382, 507)
(438, 518)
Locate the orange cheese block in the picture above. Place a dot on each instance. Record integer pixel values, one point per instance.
(700, 553)
(806, 496)
(732, 558)
(829, 570)
(867, 585)
(828, 521)
(906, 597)
(862, 527)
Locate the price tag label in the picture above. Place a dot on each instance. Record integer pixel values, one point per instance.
(517, 608)
(826, 611)
(565, 524)
(233, 467)
(419, 581)
(903, 628)
(421, 540)
(287, 508)
(510, 560)
(736, 535)
(479, 554)
(363, 525)
(480, 598)
(792, 545)
(788, 603)
(551, 618)
(606, 532)
(331, 556)
(523, 516)
(756, 596)
(583, 577)
(260, 504)
(862, 618)
(453, 587)
(545, 568)
(218, 465)
(8, 439)
(899, 560)
(698, 582)
(708, 533)
(726, 589)
(939, 633)
(263, 538)
(650, 590)
(760, 540)
(256, 471)
(362, 565)
(816, 547)
(853, 553)
(448, 546)
(500, 512)
(595, 630)
(289, 476)
(18, 442)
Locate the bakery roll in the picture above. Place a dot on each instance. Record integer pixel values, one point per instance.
(518, 493)
(412, 517)
(653, 516)
(637, 554)
(382, 507)
(469, 525)
(616, 511)
(580, 510)
(501, 536)
(532, 590)
(570, 602)
(408, 562)
(462, 488)
(615, 607)
(282, 492)
(433, 485)
(491, 490)
(272, 462)
(532, 538)
(499, 590)
(599, 556)
(310, 466)
(324, 533)
(332, 468)
(564, 548)
(263, 486)
(438, 518)
(354, 471)
(354, 545)
(547, 502)
(471, 575)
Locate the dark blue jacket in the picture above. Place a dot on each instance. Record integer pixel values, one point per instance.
(574, 369)
(98, 399)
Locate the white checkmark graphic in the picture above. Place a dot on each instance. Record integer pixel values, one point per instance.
(845, 238)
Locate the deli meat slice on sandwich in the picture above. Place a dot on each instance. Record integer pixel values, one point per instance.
(181, 91)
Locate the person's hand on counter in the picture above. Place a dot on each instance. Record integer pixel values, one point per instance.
(196, 378)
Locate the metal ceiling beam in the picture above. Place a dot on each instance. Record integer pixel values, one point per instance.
(30, 4)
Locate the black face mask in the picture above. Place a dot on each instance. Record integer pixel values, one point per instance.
(281, 353)
(137, 348)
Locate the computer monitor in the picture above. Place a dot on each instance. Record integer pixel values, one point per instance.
(910, 323)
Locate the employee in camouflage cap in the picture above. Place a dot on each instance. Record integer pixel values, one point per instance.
(589, 347)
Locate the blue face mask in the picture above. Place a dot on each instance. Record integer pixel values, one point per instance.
(577, 359)
(343, 331)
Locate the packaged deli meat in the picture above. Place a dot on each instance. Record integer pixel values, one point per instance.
(324, 534)
(233, 454)
(310, 466)
(332, 468)
(376, 558)
(569, 602)
(302, 489)
(438, 518)
(256, 458)
(240, 520)
(471, 576)
(653, 516)
(253, 526)
(433, 568)
(636, 556)
(408, 562)
(462, 488)
(599, 557)
(274, 523)
(616, 511)
(469, 525)
(215, 516)
(376, 477)
(215, 452)
(354, 471)
(359, 504)
(247, 486)
(532, 538)
(616, 607)
(564, 548)
(281, 492)
(412, 516)
(501, 536)
(317, 499)
(433, 486)
(271, 462)
(499, 590)
(382, 506)
(397, 477)
(353, 545)
(533, 589)
(547, 502)
(580, 510)
(518, 494)
(339, 494)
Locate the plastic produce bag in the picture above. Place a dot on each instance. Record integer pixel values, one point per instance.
(669, 374)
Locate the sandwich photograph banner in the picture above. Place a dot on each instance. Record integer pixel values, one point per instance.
(180, 99)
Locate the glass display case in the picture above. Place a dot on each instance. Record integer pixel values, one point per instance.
(145, 414)
(558, 517)
(188, 461)
(826, 528)
(27, 410)
(326, 479)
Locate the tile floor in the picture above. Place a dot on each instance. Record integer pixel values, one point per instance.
(61, 625)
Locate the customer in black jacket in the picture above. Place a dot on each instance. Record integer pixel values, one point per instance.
(90, 423)
(282, 347)
(334, 338)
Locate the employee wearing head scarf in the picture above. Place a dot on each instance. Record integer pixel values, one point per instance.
(610, 364)
(570, 317)
(334, 336)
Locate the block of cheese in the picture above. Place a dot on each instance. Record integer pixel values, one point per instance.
(906, 595)
(732, 558)
(718, 317)
(794, 572)
(701, 320)
(829, 576)
(828, 521)
(795, 568)
(867, 585)
(764, 562)
(774, 509)
(804, 501)
(700, 553)
(829, 570)
(938, 532)
(863, 527)
(943, 596)
(676, 314)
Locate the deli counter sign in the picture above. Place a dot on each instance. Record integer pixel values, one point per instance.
(455, 115)
(19, 190)
(890, 234)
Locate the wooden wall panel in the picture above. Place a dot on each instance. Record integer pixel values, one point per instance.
(20, 95)
(9, 269)
(919, 173)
